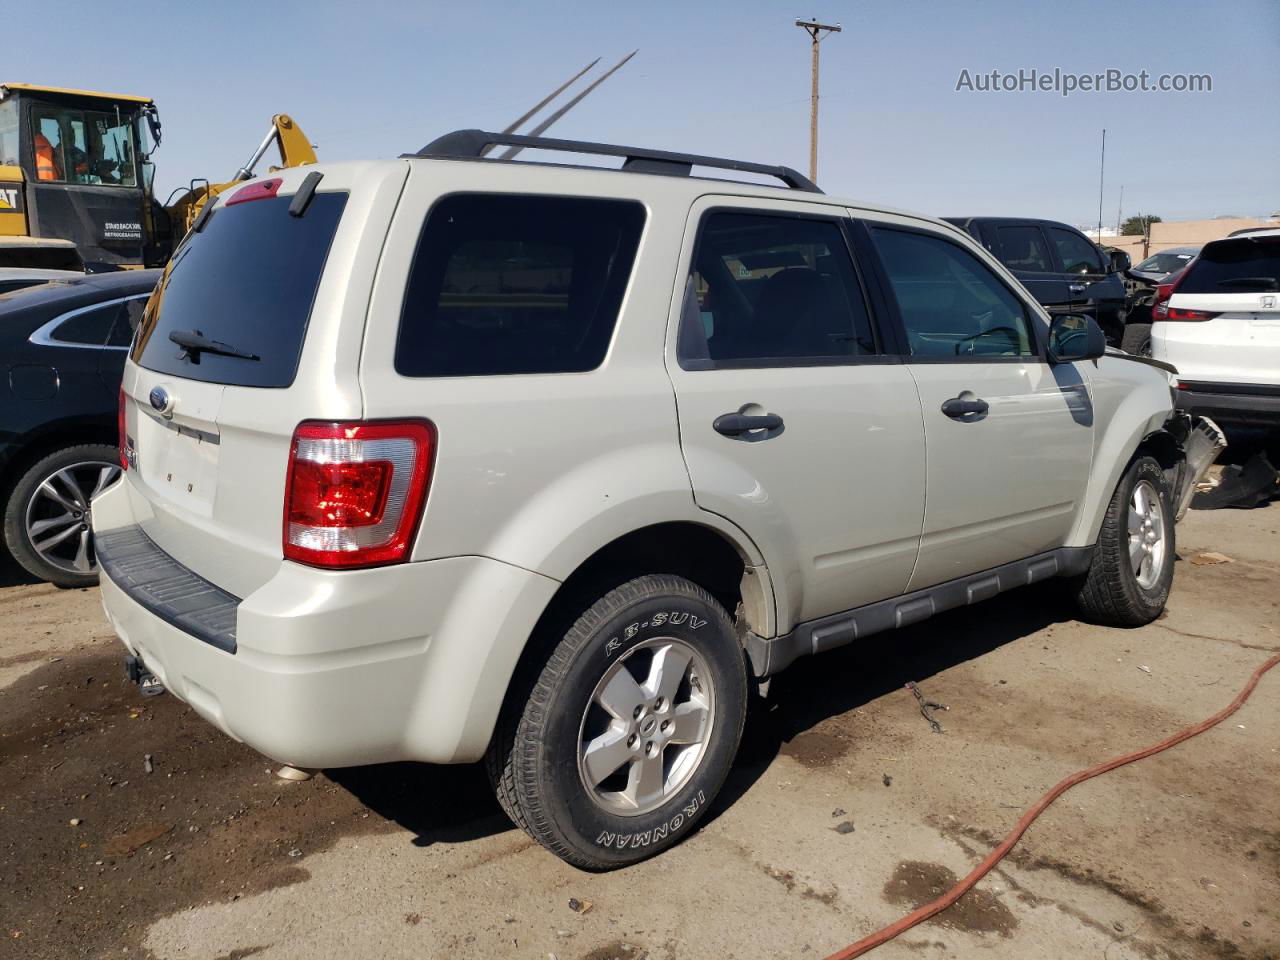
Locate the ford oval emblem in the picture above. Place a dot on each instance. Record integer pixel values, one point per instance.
(161, 401)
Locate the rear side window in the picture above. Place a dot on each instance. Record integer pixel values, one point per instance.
(247, 280)
(89, 327)
(773, 290)
(508, 284)
(1235, 266)
(1023, 248)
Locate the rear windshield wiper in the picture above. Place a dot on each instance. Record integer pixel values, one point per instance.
(194, 343)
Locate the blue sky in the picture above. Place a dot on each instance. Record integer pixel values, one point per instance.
(380, 78)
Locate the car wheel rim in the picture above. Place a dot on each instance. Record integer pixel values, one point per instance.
(646, 727)
(1146, 534)
(59, 516)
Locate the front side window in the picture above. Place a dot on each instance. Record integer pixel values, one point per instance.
(83, 146)
(1077, 254)
(1023, 248)
(773, 288)
(509, 284)
(952, 305)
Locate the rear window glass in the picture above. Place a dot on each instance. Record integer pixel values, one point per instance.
(506, 284)
(247, 281)
(1235, 266)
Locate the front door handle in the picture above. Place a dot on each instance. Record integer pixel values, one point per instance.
(958, 407)
(737, 424)
(1077, 287)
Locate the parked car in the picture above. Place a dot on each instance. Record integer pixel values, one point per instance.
(62, 349)
(443, 459)
(1159, 266)
(19, 278)
(1063, 269)
(1218, 322)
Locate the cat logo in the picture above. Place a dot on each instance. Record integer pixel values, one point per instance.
(10, 200)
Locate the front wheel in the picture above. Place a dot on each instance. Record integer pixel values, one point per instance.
(1131, 573)
(630, 729)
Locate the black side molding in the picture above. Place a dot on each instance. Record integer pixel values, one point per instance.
(770, 656)
(162, 585)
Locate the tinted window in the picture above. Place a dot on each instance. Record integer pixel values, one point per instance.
(247, 279)
(90, 327)
(1164, 262)
(952, 305)
(126, 321)
(773, 288)
(1023, 248)
(1077, 254)
(1235, 266)
(506, 284)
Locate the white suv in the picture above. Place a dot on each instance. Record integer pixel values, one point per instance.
(444, 458)
(1218, 321)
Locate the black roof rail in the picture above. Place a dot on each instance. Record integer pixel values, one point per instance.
(474, 144)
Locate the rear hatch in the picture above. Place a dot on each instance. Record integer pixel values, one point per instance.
(255, 327)
(1223, 322)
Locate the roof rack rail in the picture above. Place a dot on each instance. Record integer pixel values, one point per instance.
(475, 143)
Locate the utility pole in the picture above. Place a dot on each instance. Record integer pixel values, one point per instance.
(1102, 170)
(815, 31)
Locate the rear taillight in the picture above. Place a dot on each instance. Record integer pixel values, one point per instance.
(1160, 305)
(1177, 313)
(122, 433)
(354, 492)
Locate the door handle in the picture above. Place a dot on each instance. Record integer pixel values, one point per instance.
(736, 424)
(959, 408)
(1077, 287)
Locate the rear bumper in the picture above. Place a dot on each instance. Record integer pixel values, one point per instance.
(1238, 404)
(332, 669)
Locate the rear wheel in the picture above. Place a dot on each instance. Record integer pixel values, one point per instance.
(48, 523)
(1131, 574)
(1137, 339)
(630, 728)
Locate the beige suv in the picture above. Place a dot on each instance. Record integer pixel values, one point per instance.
(445, 458)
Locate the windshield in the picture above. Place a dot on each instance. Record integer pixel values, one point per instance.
(246, 281)
(1235, 266)
(84, 146)
(1164, 262)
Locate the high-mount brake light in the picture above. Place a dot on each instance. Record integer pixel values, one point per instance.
(355, 491)
(261, 190)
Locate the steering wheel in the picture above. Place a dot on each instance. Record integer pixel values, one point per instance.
(971, 340)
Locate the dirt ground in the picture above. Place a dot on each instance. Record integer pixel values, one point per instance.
(844, 811)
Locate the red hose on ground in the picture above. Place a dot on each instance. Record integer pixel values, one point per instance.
(998, 854)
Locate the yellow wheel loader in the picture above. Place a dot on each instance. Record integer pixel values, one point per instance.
(76, 179)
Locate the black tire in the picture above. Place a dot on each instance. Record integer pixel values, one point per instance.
(534, 760)
(1137, 340)
(50, 566)
(1111, 592)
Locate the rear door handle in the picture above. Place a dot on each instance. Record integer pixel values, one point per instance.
(737, 424)
(1077, 287)
(959, 408)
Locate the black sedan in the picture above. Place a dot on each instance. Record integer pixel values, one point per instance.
(62, 350)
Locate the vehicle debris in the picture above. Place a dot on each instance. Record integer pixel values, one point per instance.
(927, 707)
(1210, 557)
(1244, 486)
(580, 906)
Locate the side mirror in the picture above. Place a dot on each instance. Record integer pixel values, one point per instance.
(1119, 261)
(1073, 336)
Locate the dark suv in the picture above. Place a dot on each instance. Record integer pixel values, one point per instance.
(1063, 269)
(62, 350)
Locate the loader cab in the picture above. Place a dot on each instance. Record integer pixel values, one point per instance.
(74, 167)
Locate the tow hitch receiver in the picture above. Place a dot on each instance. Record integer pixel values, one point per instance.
(148, 683)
